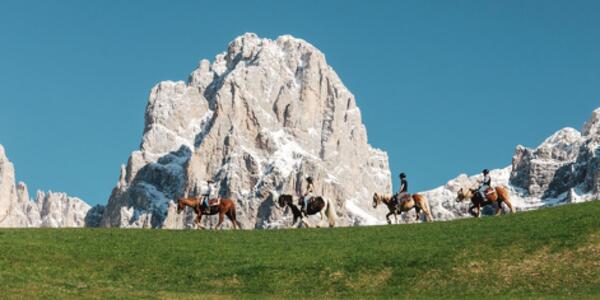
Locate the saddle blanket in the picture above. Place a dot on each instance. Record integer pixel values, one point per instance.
(214, 202)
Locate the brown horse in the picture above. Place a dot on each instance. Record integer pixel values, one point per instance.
(416, 201)
(225, 207)
(318, 205)
(497, 195)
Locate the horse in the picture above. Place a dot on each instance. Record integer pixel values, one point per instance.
(499, 195)
(318, 205)
(416, 201)
(226, 207)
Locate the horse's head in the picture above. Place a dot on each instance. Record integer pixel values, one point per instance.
(376, 200)
(284, 200)
(463, 194)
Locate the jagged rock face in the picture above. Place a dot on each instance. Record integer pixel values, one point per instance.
(536, 169)
(48, 210)
(566, 161)
(260, 118)
(8, 191)
(60, 210)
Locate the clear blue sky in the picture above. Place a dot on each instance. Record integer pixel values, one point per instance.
(445, 87)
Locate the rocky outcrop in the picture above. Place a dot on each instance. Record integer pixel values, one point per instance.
(257, 120)
(541, 171)
(47, 210)
(564, 166)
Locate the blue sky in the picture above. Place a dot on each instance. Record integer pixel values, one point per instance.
(445, 87)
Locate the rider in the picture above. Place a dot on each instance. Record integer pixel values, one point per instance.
(485, 184)
(307, 194)
(403, 192)
(207, 194)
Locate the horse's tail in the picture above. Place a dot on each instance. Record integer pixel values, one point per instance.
(233, 214)
(330, 212)
(424, 203)
(504, 197)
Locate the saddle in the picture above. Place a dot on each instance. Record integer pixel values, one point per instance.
(310, 200)
(214, 202)
(399, 199)
(490, 191)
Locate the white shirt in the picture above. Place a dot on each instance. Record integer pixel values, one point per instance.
(209, 190)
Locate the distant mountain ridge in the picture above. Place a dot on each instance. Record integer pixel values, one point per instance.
(47, 210)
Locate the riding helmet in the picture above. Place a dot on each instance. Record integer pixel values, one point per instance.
(402, 175)
(486, 171)
(309, 179)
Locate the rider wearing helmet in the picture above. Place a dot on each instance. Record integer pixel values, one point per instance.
(485, 184)
(403, 192)
(307, 194)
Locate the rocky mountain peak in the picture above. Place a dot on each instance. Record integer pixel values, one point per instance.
(592, 126)
(48, 210)
(564, 161)
(257, 120)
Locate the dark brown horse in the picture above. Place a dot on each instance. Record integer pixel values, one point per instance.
(498, 195)
(225, 207)
(317, 205)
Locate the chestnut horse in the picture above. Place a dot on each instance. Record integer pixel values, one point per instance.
(497, 195)
(318, 205)
(226, 207)
(416, 201)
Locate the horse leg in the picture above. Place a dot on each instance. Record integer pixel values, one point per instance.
(512, 210)
(471, 210)
(396, 218)
(305, 222)
(417, 211)
(387, 217)
(198, 221)
(221, 217)
(236, 224)
(479, 210)
(231, 218)
(499, 207)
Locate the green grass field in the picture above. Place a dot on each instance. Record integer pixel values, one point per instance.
(546, 254)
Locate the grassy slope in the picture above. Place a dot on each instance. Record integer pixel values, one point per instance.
(542, 254)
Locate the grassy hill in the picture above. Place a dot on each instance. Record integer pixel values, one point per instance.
(550, 253)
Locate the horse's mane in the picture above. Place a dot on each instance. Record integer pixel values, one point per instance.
(287, 197)
(384, 197)
(189, 200)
